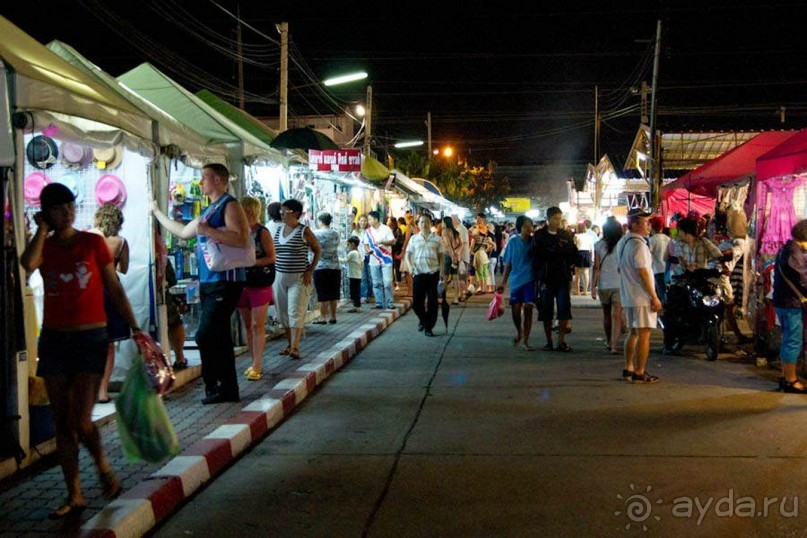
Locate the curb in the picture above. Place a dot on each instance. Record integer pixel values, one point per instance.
(143, 507)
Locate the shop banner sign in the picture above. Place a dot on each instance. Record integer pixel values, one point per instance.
(335, 160)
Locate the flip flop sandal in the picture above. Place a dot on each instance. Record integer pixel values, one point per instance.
(68, 509)
(319, 322)
(294, 355)
(527, 347)
(285, 351)
(254, 376)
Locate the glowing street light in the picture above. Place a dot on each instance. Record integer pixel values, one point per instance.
(342, 79)
(448, 151)
(360, 111)
(409, 144)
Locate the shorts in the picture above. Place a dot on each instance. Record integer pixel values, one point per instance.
(328, 283)
(254, 297)
(551, 294)
(448, 267)
(609, 296)
(523, 294)
(726, 290)
(67, 353)
(583, 258)
(640, 317)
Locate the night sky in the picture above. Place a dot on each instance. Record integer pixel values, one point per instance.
(504, 82)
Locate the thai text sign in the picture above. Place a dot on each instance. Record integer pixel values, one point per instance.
(335, 160)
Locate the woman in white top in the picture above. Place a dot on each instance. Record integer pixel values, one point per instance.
(585, 246)
(605, 281)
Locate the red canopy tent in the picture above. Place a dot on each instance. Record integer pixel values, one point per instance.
(790, 157)
(777, 178)
(698, 189)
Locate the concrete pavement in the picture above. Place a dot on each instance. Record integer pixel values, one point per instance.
(211, 438)
(464, 435)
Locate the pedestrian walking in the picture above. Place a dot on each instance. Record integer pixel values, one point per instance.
(423, 256)
(789, 292)
(638, 295)
(294, 273)
(225, 222)
(328, 274)
(605, 283)
(517, 259)
(554, 254)
(659, 243)
(378, 241)
(257, 293)
(355, 263)
(366, 278)
(75, 267)
(585, 246)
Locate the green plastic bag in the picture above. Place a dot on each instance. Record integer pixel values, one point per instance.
(146, 432)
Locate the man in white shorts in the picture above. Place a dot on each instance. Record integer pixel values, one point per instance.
(638, 294)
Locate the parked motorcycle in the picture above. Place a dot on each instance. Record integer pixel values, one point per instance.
(694, 312)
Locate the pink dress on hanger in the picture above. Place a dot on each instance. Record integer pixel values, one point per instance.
(782, 216)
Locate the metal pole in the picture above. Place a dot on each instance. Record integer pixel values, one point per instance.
(240, 63)
(429, 132)
(368, 120)
(284, 77)
(655, 185)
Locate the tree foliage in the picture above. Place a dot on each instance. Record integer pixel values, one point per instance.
(478, 187)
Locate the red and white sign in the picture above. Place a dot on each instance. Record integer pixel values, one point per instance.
(335, 160)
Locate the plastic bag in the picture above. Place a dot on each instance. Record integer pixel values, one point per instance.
(495, 308)
(157, 368)
(145, 430)
(221, 257)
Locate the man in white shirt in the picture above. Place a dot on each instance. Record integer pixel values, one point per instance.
(377, 242)
(638, 295)
(423, 256)
(659, 242)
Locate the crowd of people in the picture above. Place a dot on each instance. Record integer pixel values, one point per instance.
(626, 267)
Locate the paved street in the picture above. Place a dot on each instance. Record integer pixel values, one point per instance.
(463, 435)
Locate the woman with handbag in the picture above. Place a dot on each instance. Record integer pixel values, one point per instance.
(257, 293)
(295, 274)
(224, 222)
(789, 302)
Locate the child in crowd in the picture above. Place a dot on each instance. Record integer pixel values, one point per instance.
(354, 263)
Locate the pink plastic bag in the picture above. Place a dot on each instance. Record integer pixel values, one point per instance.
(495, 308)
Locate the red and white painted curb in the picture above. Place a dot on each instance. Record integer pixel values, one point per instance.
(141, 508)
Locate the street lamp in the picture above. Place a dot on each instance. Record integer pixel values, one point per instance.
(343, 79)
(408, 144)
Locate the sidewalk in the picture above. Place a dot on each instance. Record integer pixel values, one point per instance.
(211, 437)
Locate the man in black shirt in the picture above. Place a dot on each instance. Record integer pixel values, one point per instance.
(554, 254)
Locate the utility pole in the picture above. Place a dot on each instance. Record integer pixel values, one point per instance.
(240, 63)
(283, 123)
(429, 132)
(597, 174)
(368, 120)
(654, 168)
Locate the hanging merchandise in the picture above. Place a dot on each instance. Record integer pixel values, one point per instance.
(42, 152)
(108, 158)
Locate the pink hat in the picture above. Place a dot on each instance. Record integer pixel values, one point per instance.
(32, 187)
(76, 156)
(110, 190)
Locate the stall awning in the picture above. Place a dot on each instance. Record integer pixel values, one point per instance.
(156, 87)
(171, 131)
(788, 158)
(734, 166)
(244, 120)
(45, 82)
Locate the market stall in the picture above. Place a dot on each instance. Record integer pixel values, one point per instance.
(60, 126)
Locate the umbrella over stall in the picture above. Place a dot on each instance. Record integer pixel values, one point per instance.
(303, 138)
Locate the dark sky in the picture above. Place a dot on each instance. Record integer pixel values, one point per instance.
(503, 81)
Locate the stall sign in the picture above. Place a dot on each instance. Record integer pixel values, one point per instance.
(335, 160)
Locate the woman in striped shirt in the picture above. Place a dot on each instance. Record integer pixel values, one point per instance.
(294, 274)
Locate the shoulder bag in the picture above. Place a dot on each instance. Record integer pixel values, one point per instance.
(260, 276)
